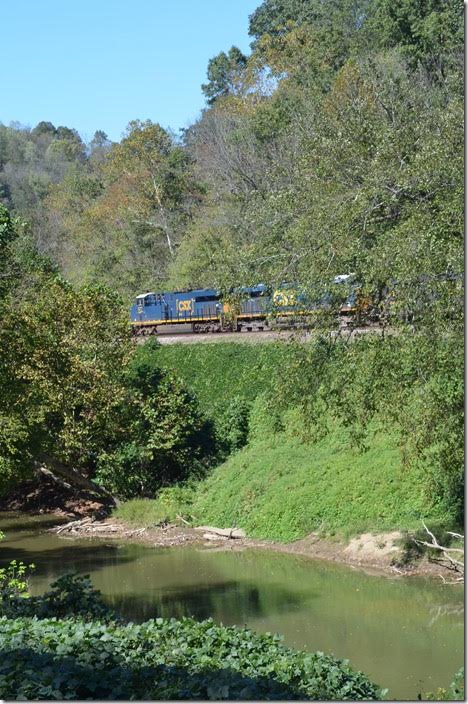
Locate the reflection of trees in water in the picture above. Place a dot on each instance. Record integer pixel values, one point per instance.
(229, 602)
(72, 557)
(446, 610)
(29, 524)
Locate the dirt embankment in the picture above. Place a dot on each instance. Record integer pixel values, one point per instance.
(373, 553)
(42, 495)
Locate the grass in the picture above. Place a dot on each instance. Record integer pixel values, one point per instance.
(282, 489)
(171, 503)
(219, 372)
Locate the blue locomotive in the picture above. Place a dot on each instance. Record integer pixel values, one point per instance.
(246, 308)
(201, 310)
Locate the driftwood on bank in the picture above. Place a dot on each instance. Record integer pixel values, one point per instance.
(93, 526)
(162, 535)
(222, 532)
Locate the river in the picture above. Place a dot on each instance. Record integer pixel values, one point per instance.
(404, 633)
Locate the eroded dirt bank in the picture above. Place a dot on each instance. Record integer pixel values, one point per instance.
(373, 553)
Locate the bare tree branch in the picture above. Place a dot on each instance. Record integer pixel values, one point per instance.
(446, 559)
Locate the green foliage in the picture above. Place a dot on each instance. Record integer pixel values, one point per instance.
(170, 504)
(272, 17)
(356, 385)
(71, 595)
(62, 353)
(108, 213)
(455, 692)
(334, 442)
(72, 400)
(360, 172)
(7, 230)
(226, 379)
(425, 32)
(221, 372)
(162, 438)
(283, 489)
(265, 419)
(232, 425)
(164, 659)
(223, 71)
(14, 579)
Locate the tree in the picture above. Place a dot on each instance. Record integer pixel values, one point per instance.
(7, 230)
(7, 235)
(224, 72)
(162, 438)
(430, 33)
(272, 16)
(99, 146)
(155, 175)
(70, 400)
(62, 353)
(42, 128)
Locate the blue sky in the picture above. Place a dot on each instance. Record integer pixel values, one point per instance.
(97, 64)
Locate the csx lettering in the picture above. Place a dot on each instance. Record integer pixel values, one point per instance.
(282, 298)
(185, 306)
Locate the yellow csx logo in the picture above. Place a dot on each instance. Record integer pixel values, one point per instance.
(284, 298)
(184, 306)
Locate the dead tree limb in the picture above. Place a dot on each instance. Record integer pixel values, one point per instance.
(447, 560)
(71, 478)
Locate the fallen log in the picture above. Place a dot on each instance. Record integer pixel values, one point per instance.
(72, 525)
(214, 536)
(235, 533)
(73, 479)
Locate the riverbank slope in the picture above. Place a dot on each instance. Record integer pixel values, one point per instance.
(381, 554)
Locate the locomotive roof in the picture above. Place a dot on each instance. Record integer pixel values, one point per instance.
(174, 293)
(197, 291)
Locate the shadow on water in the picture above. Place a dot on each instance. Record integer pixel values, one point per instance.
(30, 524)
(230, 602)
(118, 681)
(74, 557)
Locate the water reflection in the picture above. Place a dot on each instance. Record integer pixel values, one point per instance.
(406, 634)
(82, 558)
(231, 602)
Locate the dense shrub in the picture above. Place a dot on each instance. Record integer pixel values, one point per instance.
(265, 418)
(456, 690)
(70, 595)
(164, 659)
(161, 438)
(232, 425)
(220, 372)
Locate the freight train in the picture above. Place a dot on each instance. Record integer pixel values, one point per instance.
(244, 309)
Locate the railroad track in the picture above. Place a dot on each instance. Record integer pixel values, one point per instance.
(260, 336)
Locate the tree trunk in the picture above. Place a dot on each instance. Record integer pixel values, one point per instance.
(71, 478)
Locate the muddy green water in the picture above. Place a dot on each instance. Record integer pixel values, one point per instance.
(405, 634)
